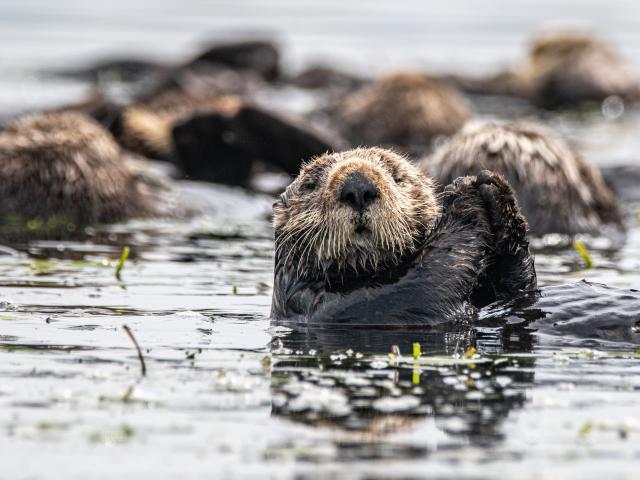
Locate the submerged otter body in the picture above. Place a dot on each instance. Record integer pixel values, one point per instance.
(64, 166)
(557, 190)
(406, 111)
(362, 238)
(578, 313)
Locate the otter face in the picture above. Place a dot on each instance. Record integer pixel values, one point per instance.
(359, 210)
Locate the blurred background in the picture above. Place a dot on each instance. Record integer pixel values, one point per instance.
(359, 35)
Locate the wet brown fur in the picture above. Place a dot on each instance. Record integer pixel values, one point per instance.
(64, 165)
(320, 233)
(557, 190)
(565, 66)
(403, 110)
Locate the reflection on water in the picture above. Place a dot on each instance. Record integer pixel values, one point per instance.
(323, 381)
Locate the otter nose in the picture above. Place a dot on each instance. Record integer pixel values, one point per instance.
(358, 192)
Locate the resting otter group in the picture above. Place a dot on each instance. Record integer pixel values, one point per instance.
(557, 190)
(362, 238)
(362, 235)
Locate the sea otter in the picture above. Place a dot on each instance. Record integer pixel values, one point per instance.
(361, 237)
(145, 126)
(562, 69)
(64, 168)
(557, 190)
(213, 138)
(406, 111)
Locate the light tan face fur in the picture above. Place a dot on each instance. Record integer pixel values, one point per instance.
(316, 231)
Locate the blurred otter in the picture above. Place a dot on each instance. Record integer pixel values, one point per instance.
(145, 126)
(362, 238)
(257, 56)
(333, 83)
(562, 69)
(247, 57)
(557, 190)
(221, 148)
(216, 138)
(63, 167)
(404, 110)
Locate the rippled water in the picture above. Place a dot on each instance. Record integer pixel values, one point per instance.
(228, 395)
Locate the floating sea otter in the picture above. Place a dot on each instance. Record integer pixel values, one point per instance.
(557, 190)
(563, 68)
(64, 168)
(217, 138)
(362, 237)
(407, 111)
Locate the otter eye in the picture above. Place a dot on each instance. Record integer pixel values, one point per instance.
(309, 186)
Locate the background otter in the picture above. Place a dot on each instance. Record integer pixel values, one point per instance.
(361, 237)
(404, 110)
(557, 190)
(562, 69)
(146, 125)
(65, 166)
(566, 68)
(209, 136)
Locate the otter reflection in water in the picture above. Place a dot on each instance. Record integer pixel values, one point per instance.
(462, 387)
(343, 379)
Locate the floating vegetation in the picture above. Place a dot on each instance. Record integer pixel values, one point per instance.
(114, 436)
(586, 429)
(143, 366)
(14, 226)
(394, 353)
(584, 253)
(123, 258)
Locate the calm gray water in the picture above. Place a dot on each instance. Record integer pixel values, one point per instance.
(226, 396)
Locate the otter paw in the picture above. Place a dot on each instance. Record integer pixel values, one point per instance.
(507, 222)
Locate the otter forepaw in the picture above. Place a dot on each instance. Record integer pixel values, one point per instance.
(507, 222)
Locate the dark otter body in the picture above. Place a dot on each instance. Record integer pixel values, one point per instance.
(575, 313)
(258, 56)
(557, 190)
(471, 254)
(225, 148)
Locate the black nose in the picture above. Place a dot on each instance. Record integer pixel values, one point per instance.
(358, 192)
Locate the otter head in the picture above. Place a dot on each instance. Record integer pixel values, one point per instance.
(358, 211)
(553, 51)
